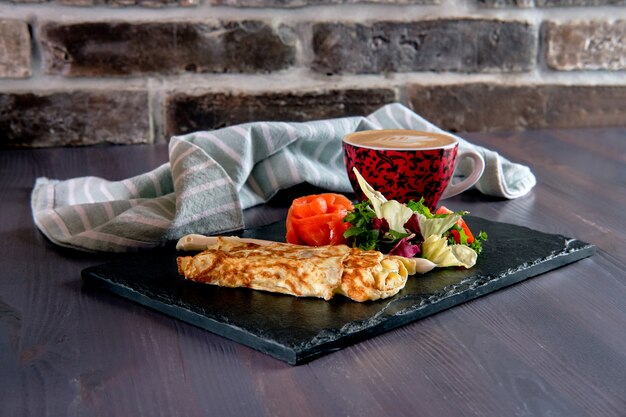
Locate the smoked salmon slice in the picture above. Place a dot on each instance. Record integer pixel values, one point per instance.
(317, 220)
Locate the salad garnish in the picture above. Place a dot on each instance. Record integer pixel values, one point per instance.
(411, 230)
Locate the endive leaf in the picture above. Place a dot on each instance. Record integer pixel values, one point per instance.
(437, 225)
(393, 211)
(466, 255)
(436, 249)
(396, 214)
(375, 197)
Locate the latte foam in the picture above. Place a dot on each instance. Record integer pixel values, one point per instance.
(399, 139)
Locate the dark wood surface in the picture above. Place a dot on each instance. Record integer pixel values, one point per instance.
(554, 345)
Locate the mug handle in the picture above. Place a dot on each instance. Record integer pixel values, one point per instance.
(479, 167)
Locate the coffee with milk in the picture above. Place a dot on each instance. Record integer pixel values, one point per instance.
(400, 139)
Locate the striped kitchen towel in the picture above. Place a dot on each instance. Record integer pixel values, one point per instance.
(212, 176)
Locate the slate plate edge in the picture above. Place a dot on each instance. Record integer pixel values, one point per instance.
(321, 348)
(317, 348)
(228, 331)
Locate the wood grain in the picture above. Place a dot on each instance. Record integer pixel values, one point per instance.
(552, 345)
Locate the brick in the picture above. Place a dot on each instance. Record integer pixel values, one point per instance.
(506, 3)
(187, 112)
(73, 118)
(15, 52)
(549, 3)
(302, 3)
(588, 45)
(579, 3)
(487, 107)
(125, 3)
(164, 48)
(116, 3)
(465, 45)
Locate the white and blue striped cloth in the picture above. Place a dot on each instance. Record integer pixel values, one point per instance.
(212, 176)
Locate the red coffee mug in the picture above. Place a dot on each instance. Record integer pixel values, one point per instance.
(407, 165)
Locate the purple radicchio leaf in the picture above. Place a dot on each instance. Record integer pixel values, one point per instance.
(405, 248)
(413, 226)
(380, 224)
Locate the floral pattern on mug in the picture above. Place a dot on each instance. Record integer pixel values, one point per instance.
(402, 175)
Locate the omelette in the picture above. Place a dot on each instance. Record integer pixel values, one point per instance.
(302, 271)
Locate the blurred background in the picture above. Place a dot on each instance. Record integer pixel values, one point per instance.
(84, 72)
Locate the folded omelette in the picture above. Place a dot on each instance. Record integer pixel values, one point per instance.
(302, 271)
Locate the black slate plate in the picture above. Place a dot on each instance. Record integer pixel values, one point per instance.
(297, 330)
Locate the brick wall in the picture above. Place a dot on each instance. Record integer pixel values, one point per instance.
(81, 72)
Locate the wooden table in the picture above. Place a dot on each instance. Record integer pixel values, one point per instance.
(554, 345)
